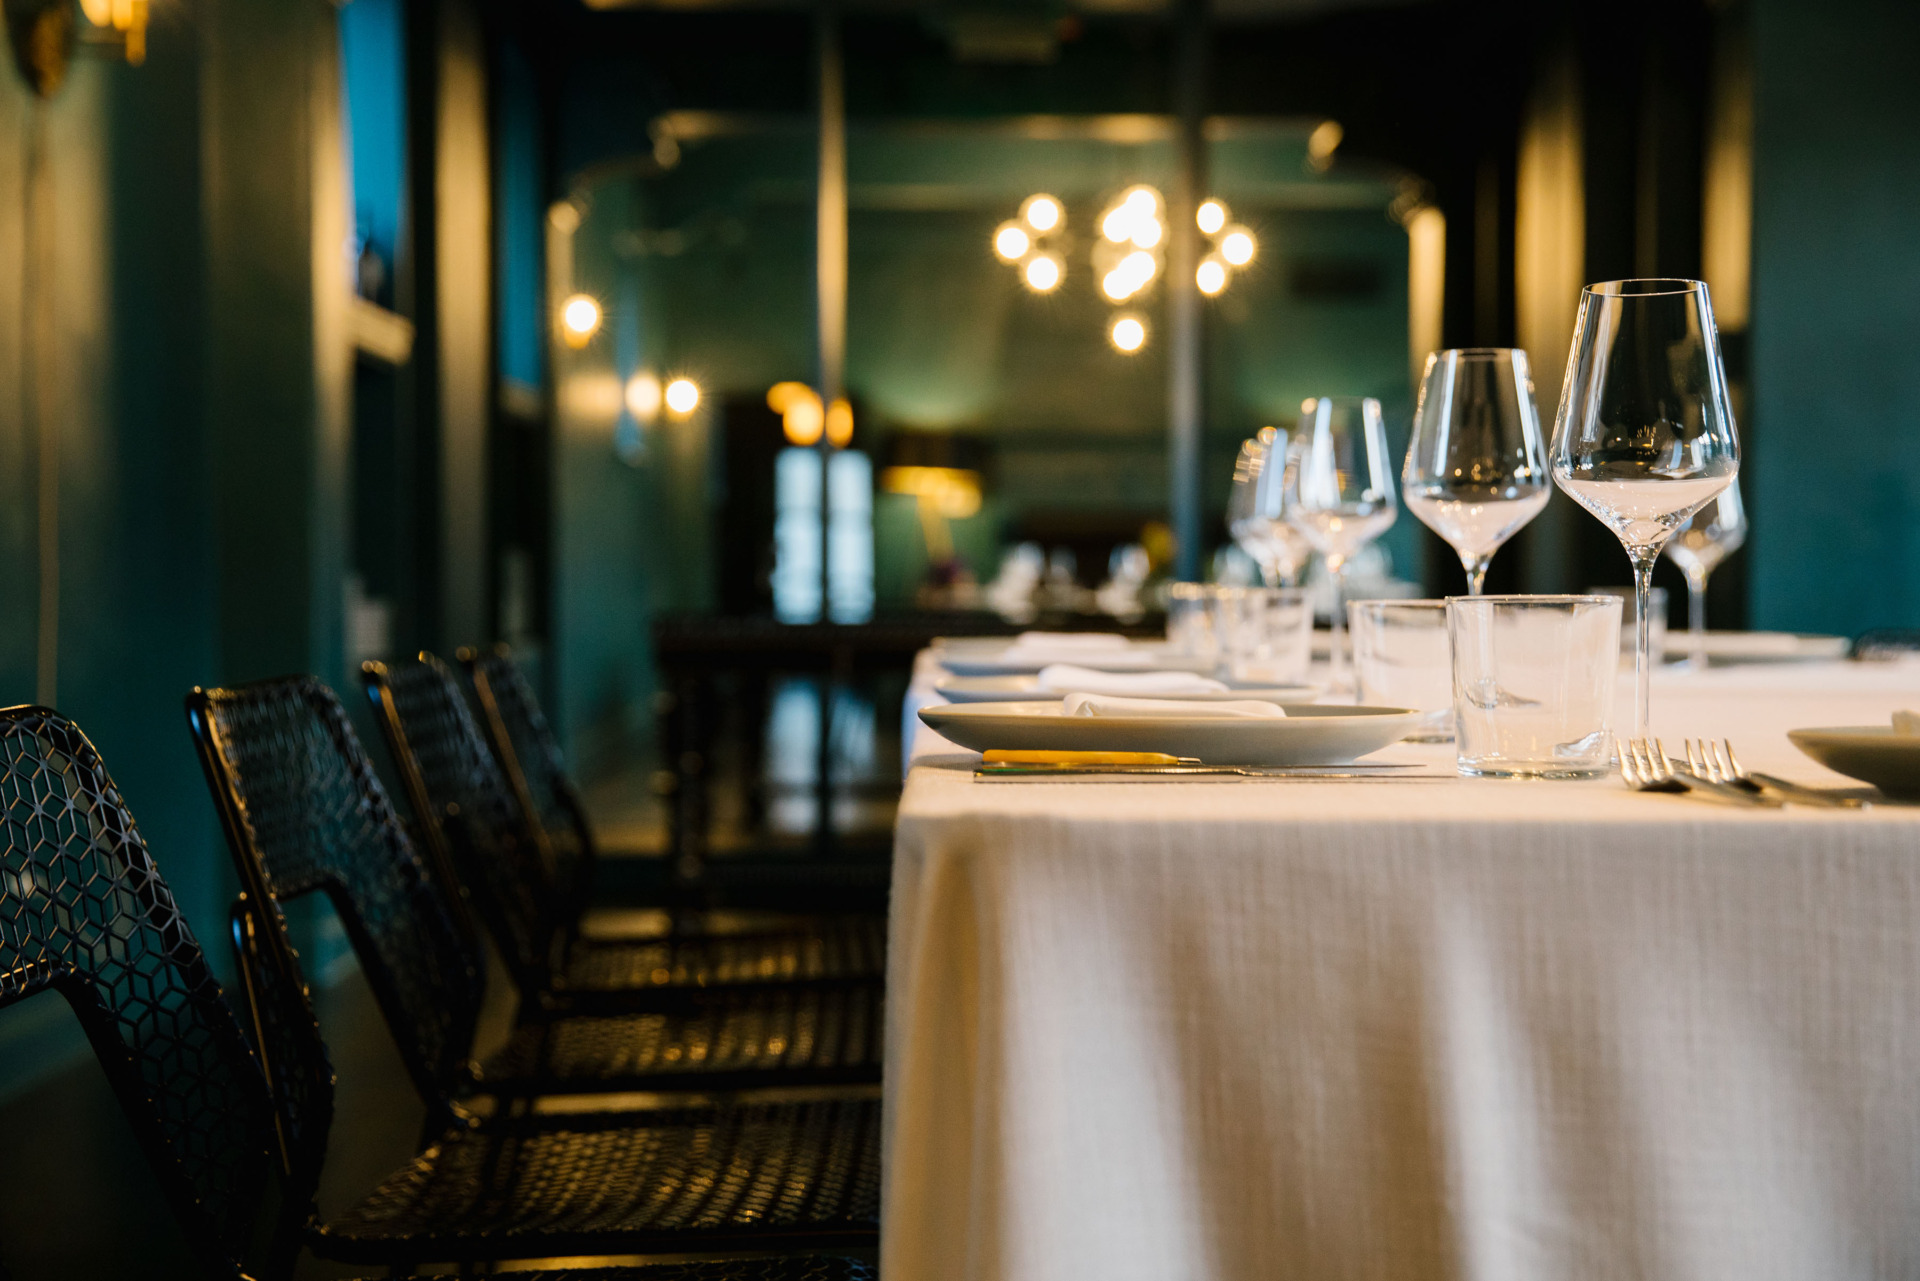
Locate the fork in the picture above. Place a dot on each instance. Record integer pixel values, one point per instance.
(1645, 768)
(1717, 762)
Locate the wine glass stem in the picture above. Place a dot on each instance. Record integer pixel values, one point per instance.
(1697, 617)
(1642, 639)
(1476, 567)
(1337, 658)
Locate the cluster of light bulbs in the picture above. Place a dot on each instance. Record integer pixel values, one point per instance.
(644, 393)
(1128, 256)
(804, 419)
(1024, 241)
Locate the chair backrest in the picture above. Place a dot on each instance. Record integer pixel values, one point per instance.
(530, 754)
(84, 912)
(463, 801)
(303, 813)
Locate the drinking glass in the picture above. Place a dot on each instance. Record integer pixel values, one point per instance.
(1645, 434)
(1256, 510)
(1265, 634)
(1476, 468)
(1402, 658)
(1340, 491)
(1190, 621)
(1533, 680)
(1714, 533)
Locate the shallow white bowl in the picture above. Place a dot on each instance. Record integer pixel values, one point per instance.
(1871, 753)
(1026, 689)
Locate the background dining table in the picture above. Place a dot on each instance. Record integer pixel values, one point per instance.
(1410, 1028)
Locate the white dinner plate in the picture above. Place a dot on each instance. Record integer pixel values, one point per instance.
(1759, 647)
(1135, 658)
(1026, 689)
(1309, 734)
(1871, 753)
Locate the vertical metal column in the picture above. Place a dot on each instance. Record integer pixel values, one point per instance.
(1186, 357)
(830, 249)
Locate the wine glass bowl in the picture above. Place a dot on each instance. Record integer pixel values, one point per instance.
(1256, 510)
(1645, 435)
(1698, 547)
(1476, 468)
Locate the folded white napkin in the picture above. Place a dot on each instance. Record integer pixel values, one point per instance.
(1109, 705)
(1067, 678)
(1073, 640)
(1906, 722)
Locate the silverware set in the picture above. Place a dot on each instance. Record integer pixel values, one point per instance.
(1711, 769)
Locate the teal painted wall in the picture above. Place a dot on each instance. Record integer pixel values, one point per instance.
(1832, 464)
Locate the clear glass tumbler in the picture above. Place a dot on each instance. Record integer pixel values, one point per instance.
(1533, 684)
(1265, 634)
(1402, 658)
(1190, 621)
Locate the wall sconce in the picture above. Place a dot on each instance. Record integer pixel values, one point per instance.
(579, 320)
(121, 22)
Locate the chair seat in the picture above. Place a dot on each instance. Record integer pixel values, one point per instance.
(841, 950)
(806, 1267)
(781, 1176)
(725, 1041)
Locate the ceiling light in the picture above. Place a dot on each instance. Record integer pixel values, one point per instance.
(1147, 232)
(683, 396)
(1211, 216)
(1211, 276)
(1117, 285)
(1042, 213)
(1144, 199)
(1118, 224)
(1011, 242)
(1043, 272)
(1129, 333)
(1237, 246)
(643, 397)
(1140, 267)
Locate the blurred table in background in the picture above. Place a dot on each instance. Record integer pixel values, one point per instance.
(1463, 1028)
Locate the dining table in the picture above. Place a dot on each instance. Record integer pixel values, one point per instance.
(1410, 1027)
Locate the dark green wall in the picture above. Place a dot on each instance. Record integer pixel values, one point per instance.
(1832, 469)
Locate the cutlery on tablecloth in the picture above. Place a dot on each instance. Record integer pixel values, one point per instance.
(1717, 762)
(1645, 767)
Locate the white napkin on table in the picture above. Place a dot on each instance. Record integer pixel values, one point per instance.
(1182, 709)
(1072, 640)
(1045, 648)
(1068, 678)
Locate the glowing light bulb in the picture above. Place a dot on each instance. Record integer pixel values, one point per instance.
(1145, 200)
(683, 396)
(1211, 276)
(1147, 232)
(1211, 216)
(1117, 285)
(1043, 273)
(803, 419)
(579, 319)
(1140, 268)
(840, 423)
(643, 397)
(1043, 213)
(1237, 246)
(1128, 333)
(1117, 226)
(1011, 242)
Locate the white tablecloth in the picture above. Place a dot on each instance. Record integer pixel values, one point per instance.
(1499, 1030)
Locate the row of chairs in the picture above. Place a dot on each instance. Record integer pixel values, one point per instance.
(233, 1101)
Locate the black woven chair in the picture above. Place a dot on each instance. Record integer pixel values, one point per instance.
(530, 756)
(266, 749)
(85, 913)
(527, 892)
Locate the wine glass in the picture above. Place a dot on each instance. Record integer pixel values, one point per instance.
(1714, 533)
(1476, 468)
(1340, 494)
(1256, 510)
(1645, 435)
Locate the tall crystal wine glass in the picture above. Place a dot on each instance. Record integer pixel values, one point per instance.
(1341, 492)
(1714, 533)
(1476, 468)
(1645, 434)
(1256, 510)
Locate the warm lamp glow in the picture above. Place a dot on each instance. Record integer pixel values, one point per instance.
(781, 396)
(1117, 226)
(950, 492)
(1129, 333)
(840, 423)
(1011, 242)
(579, 319)
(1237, 246)
(683, 396)
(1139, 266)
(804, 420)
(1147, 232)
(1043, 273)
(1116, 285)
(1211, 276)
(1042, 213)
(1323, 142)
(644, 395)
(1144, 200)
(1211, 216)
